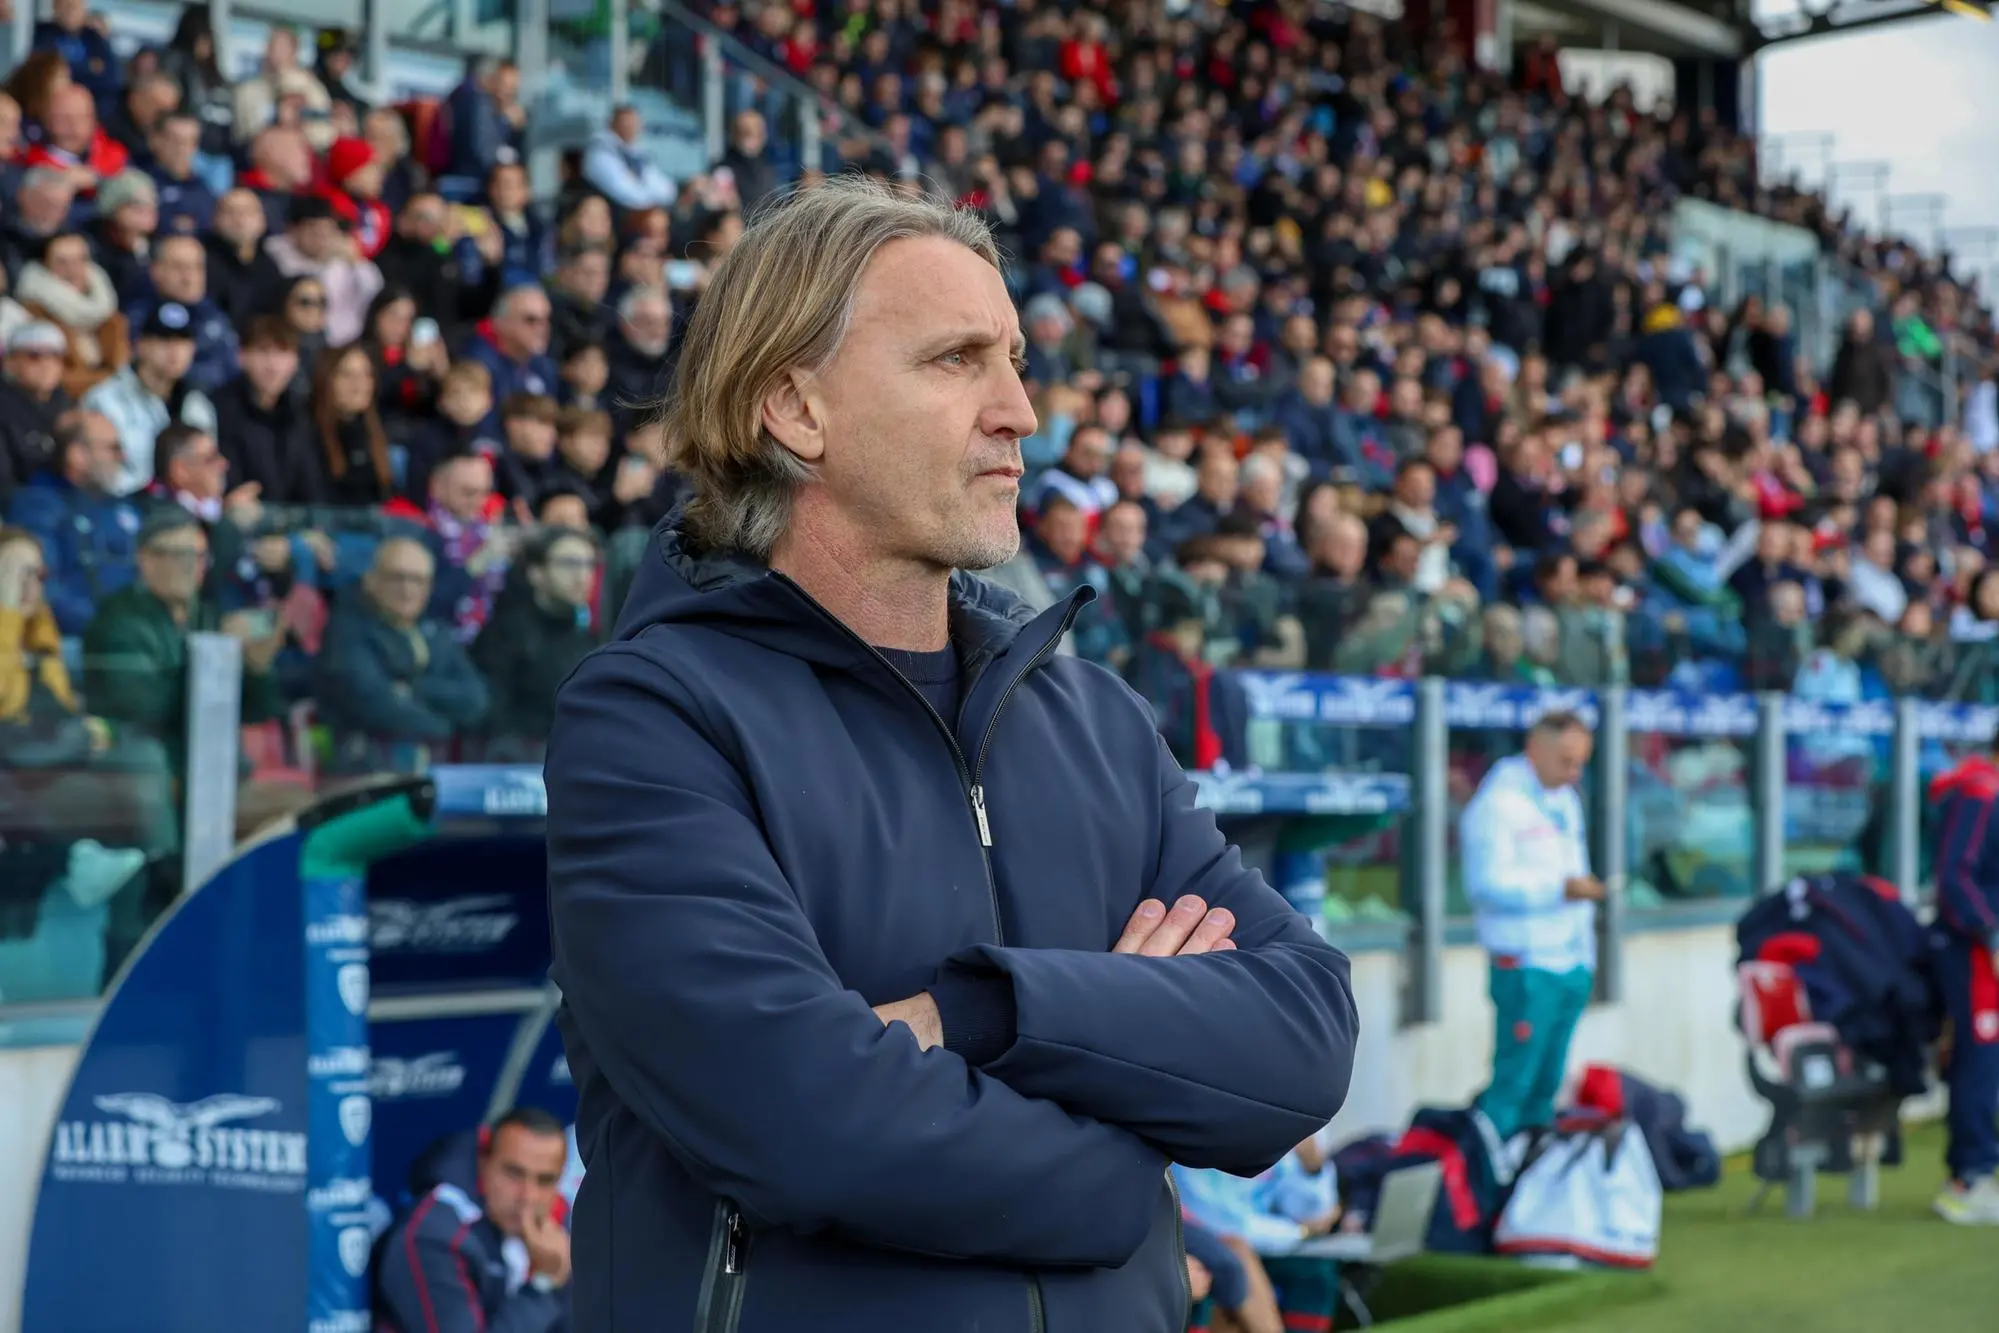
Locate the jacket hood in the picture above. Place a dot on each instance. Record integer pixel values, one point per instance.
(744, 598)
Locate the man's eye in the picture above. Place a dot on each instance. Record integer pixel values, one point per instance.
(953, 358)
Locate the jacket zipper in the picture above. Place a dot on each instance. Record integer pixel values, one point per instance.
(719, 1307)
(968, 775)
(975, 792)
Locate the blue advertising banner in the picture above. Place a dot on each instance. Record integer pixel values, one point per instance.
(1479, 706)
(429, 1079)
(340, 1114)
(1348, 701)
(1302, 793)
(182, 1142)
(490, 791)
(1683, 713)
(458, 912)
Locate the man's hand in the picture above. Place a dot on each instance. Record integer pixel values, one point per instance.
(1190, 928)
(1326, 1223)
(1583, 889)
(548, 1247)
(1199, 1279)
(919, 1011)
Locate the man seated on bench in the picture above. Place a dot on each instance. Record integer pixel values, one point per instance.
(1259, 1220)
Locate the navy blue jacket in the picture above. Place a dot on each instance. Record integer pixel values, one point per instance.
(1967, 862)
(441, 1270)
(757, 830)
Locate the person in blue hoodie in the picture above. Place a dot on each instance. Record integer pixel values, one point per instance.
(897, 958)
(1967, 953)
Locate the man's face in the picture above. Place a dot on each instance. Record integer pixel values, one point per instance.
(317, 238)
(173, 565)
(239, 218)
(566, 576)
(1128, 472)
(69, 259)
(1316, 383)
(1089, 451)
(1123, 533)
(174, 145)
(269, 367)
(200, 470)
(626, 125)
(104, 451)
(1559, 757)
(1217, 478)
(180, 271)
(518, 1174)
(463, 488)
(72, 120)
(37, 372)
(921, 413)
(588, 275)
(1066, 531)
(400, 581)
(525, 325)
(167, 358)
(425, 218)
(1416, 488)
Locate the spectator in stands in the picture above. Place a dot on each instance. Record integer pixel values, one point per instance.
(353, 186)
(186, 203)
(1061, 549)
(423, 258)
(316, 245)
(259, 98)
(393, 683)
(353, 446)
(302, 305)
(481, 123)
(472, 550)
(205, 94)
(135, 651)
(83, 42)
(623, 172)
(637, 350)
(88, 533)
(151, 393)
(179, 274)
(513, 344)
(65, 288)
(447, 1265)
(747, 160)
(127, 215)
(147, 100)
(74, 142)
(409, 358)
(266, 432)
(539, 631)
(41, 211)
(242, 279)
(32, 400)
(576, 292)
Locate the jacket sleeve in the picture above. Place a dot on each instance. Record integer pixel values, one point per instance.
(427, 1283)
(124, 680)
(692, 976)
(1964, 907)
(1497, 877)
(1225, 1060)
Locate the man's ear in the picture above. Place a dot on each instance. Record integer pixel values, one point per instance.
(795, 414)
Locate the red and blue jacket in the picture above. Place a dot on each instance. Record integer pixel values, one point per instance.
(444, 1269)
(1967, 864)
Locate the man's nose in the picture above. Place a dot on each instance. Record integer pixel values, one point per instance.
(1011, 412)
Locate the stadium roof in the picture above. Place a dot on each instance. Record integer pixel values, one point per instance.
(1724, 29)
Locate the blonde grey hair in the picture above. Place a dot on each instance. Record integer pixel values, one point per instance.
(782, 300)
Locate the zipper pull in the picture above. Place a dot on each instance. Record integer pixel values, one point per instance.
(979, 812)
(732, 1244)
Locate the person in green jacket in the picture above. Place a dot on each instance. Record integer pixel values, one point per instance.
(135, 649)
(539, 631)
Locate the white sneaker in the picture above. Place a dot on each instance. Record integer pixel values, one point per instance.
(97, 872)
(1974, 1205)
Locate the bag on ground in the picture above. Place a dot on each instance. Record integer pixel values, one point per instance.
(1587, 1194)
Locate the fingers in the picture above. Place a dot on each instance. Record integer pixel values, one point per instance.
(1189, 928)
(1211, 933)
(1144, 920)
(1189, 921)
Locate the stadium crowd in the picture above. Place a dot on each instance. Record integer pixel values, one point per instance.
(1347, 357)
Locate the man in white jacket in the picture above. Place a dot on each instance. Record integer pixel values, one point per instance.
(1527, 873)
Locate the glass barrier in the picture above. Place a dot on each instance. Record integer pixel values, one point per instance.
(90, 829)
